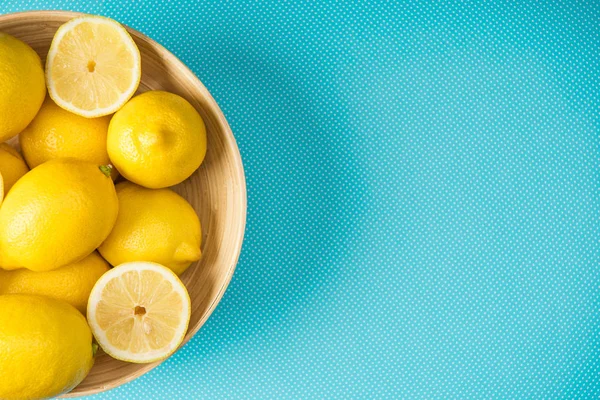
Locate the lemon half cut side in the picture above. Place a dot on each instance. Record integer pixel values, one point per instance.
(139, 312)
(93, 66)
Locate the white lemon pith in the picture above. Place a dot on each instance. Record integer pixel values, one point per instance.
(139, 312)
(93, 66)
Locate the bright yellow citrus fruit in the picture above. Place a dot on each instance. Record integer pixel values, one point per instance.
(154, 225)
(139, 312)
(55, 215)
(157, 139)
(93, 66)
(22, 88)
(46, 344)
(72, 283)
(58, 133)
(12, 166)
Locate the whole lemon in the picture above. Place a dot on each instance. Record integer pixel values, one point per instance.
(72, 283)
(157, 139)
(22, 85)
(154, 225)
(55, 215)
(46, 347)
(12, 166)
(58, 133)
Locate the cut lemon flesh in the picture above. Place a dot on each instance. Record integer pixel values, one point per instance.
(139, 312)
(93, 66)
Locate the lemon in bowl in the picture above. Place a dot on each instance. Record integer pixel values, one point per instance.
(139, 312)
(12, 166)
(56, 214)
(58, 133)
(22, 87)
(47, 347)
(71, 283)
(157, 139)
(93, 66)
(155, 225)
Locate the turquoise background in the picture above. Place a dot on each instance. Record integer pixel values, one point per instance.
(423, 191)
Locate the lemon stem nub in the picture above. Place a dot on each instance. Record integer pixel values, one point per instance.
(94, 349)
(106, 169)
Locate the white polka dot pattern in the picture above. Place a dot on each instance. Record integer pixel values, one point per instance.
(423, 197)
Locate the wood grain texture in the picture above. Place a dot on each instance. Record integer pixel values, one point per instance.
(217, 191)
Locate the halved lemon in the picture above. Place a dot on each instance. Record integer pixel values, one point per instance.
(139, 312)
(93, 66)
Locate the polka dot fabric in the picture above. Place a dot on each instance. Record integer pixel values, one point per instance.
(423, 189)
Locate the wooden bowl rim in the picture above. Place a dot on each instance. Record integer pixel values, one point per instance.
(238, 170)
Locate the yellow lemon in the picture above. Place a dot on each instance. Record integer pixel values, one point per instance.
(139, 312)
(58, 133)
(154, 225)
(157, 139)
(46, 344)
(55, 215)
(22, 88)
(72, 283)
(12, 166)
(93, 66)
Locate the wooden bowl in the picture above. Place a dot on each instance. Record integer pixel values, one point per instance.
(217, 191)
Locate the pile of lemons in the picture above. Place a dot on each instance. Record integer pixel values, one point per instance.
(64, 223)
